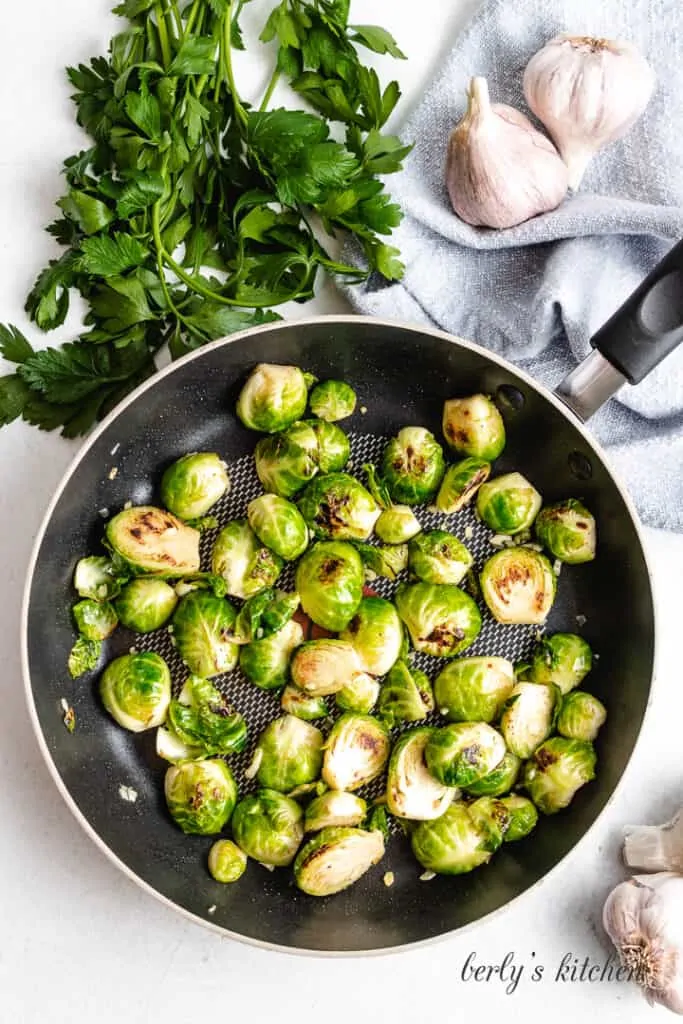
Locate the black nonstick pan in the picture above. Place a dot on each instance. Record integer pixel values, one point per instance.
(112, 779)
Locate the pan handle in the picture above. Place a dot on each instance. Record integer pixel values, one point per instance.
(643, 332)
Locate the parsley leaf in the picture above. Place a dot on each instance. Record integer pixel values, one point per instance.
(377, 39)
(107, 256)
(13, 345)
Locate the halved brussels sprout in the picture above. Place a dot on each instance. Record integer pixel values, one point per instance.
(279, 525)
(383, 560)
(493, 818)
(152, 540)
(95, 620)
(518, 585)
(227, 863)
(300, 704)
(192, 485)
(337, 507)
(563, 658)
(136, 690)
(96, 579)
(474, 689)
(291, 754)
(266, 662)
(203, 633)
(437, 556)
(462, 753)
(567, 529)
(329, 581)
(273, 397)
(397, 524)
(581, 716)
(321, 667)
(473, 426)
(333, 400)
(461, 482)
(442, 619)
(412, 791)
(360, 694)
(452, 844)
(376, 634)
(268, 827)
(201, 717)
(200, 795)
(356, 751)
(283, 466)
(264, 614)
(557, 770)
(335, 809)
(509, 503)
(333, 446)
(239, 557)
(528, 717)
(405, 696)
(413, 466)
(523, 817)
(335, 858)
(500, 780)
(145, 604)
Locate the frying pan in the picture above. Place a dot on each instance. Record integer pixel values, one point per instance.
(402, 375)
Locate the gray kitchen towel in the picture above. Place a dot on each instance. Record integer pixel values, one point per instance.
(536, 293)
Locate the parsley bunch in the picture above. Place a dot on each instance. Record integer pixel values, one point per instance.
(191, 215)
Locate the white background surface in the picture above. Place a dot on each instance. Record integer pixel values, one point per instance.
(78, 941)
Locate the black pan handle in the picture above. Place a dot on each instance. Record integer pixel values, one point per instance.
(642, 332)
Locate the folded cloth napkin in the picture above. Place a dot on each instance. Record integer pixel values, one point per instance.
(536, 293)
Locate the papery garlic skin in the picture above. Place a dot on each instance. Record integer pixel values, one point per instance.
(500, 170)
(587, 92)
(655, 847)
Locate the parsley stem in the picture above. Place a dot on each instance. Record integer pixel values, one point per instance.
(240, 112)
(163, 35)
(159, 245)
(189, 24)
(272, 85)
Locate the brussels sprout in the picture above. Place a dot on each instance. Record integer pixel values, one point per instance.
(279, 525)
(581, 716)
(442, 619)
(397, 524)
(523, 817)
(474, 689)
(473, 426)
(272, 398)
(300, 704)
(557, 770)
(244, 564)
(333, 447)
(356, 751)
(509, 503)
(284, 467)
(95, 621)
(192, 485)
(145, 604)
(335, 809)
(528, 717)
(290, 754)
(500, 780)
(567, 529)
(452, 844)
(227, 863)
(321, 667)
(268, 827)
(518, 585)
(438, 557)
(136, 690)
(96, 579)
(84, 656)
(359, 694)
(329, 581)
(335, 858)
(264, 614)
(203, 633)
(333, 400)
(266, 662)
(412, 792)
(337, 507)
(563, 658)
(405, 696)
(460, 754)
(493, 818)
(202, 718)
(376, 634)
(200, 795)
(152, 540)
(460, 483)
(413, 466)
(387, 561)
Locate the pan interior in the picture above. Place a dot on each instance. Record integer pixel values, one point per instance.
(402, 377)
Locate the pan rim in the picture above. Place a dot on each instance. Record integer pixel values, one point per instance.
(81, 454)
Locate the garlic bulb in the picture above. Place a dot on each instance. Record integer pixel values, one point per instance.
(588, 93)
(500, 170)
(655, 847)
(644, 919)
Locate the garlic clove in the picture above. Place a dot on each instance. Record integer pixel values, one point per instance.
(500, 170)
(588, 92)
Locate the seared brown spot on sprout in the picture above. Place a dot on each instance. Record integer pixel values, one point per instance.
(544, 758)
